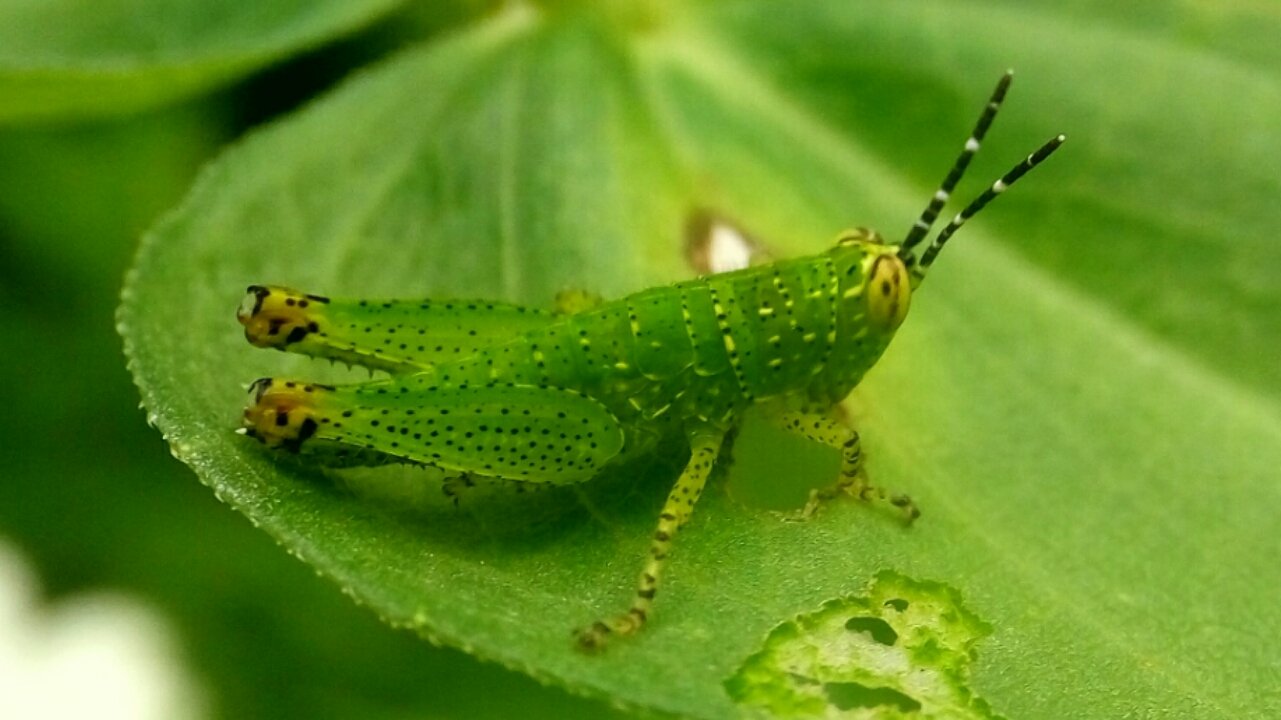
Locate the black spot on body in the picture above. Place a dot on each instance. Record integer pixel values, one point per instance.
(307, 429)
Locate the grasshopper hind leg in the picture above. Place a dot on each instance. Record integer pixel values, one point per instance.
(529, 433)
(284, 414)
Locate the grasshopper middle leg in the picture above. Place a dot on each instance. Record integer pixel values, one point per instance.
(704, 447)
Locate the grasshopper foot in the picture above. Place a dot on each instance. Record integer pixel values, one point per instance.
(861, 489)
(595, 637)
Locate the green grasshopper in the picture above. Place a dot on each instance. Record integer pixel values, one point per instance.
(496, 390)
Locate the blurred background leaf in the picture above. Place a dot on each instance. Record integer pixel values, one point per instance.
(92, 496)
(1084, 401)
(68, 59)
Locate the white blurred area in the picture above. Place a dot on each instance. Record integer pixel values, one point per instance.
(715, 244)
(728, 249)
(100, 655)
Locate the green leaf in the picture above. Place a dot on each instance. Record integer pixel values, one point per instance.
(122, 515)
(1081, 401)
(71, 58)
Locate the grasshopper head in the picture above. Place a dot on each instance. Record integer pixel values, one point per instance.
(878, 275)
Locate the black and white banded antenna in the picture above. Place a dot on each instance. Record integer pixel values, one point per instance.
(925, 222)
(988, 196)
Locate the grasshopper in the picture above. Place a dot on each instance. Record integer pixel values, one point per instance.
(496, 390)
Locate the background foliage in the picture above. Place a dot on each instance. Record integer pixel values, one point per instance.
(1084, 400)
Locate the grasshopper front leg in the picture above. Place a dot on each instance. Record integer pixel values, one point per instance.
(705, 444)
(853, 476)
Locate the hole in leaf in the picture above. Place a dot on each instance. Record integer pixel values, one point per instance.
(852, 696)
(880, 630)
(918, 663)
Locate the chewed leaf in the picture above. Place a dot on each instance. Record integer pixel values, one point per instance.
(904, 646)
(1081, 458)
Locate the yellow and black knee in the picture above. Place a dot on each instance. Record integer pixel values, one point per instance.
(277, 317)
(283, 414)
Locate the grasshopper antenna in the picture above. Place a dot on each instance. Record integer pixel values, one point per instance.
(923, 224)
(979, 202)
(907, 249)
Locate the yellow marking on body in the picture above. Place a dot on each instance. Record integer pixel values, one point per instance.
(775, 340)
(853, 292)
(766, 312)
(620, 365)
(538, 356)
(809, 337)
(584, 342)
(735, 363)
(776, 362)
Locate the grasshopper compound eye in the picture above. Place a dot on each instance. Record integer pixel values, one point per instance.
(888, 293)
